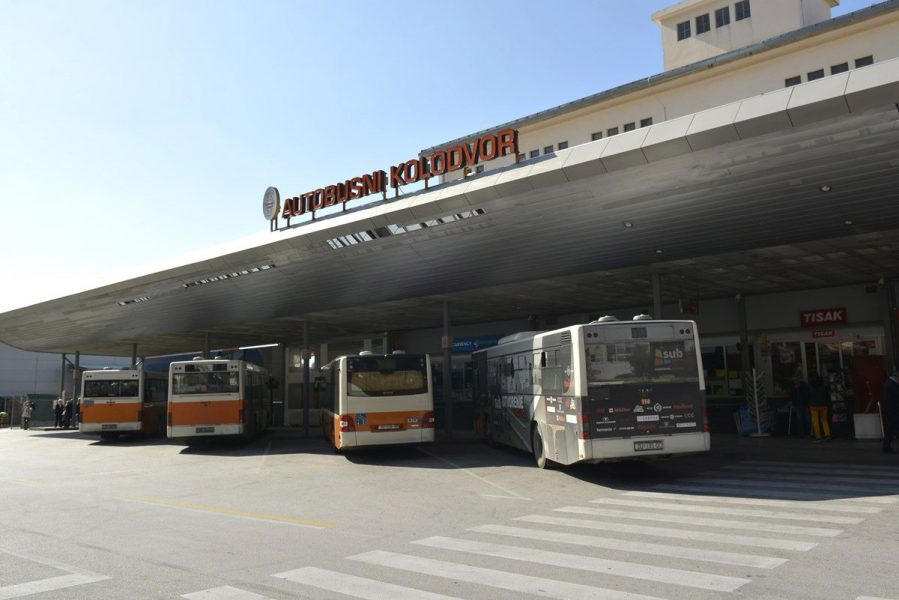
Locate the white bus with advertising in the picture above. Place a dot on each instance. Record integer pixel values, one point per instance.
(605, 390)
(217, 397)
(373, 400)
(117, 401)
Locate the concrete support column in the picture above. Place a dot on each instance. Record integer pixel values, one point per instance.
(133, 356)
(366, 345)
(307, 385)
(62, 375)
(385, 343)
(446, 342)
(322, 355)
(889, 324)
(744, 336)
(76, 375)
(206, 349)
(656, 296)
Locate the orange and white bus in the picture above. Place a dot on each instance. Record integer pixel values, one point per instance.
(217, 397)
(116, 401)
(374, 400)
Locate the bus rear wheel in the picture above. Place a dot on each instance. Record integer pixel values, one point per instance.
(537, 448)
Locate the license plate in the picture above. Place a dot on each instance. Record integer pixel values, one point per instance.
(205, 429)
(649, 445)
(390, 427)
(109, 426)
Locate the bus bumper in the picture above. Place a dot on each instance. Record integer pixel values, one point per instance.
(190, 431)
(613, 449)
(109, 427)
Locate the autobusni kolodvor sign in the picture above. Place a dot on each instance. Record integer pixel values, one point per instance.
(485, 148)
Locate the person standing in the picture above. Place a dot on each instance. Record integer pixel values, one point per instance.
(26, 413)
(818, 407)
(800, 398)
(58, 408)
(889, 411)
(68, 410)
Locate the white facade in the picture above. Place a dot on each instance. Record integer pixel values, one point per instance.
(787, 55)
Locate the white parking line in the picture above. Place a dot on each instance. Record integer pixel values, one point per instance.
(825, 478)
(817, 465)
(561, 537)
(618, 568)
(685, 520)
(861, 489)
(75, 576)
(515, 582)
(723, 510)
(680, 534)
(358, 587)
(824, 506)
(710, 486)
(226, 592)
(471, 473)
(883, 476)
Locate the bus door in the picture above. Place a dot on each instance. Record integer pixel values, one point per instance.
(562, 407)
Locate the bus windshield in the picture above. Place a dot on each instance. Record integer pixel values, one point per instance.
(220, 382)
(112, 388)
(630, 361)
(386, 375)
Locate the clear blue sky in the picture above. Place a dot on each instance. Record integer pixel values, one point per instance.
(132, 131)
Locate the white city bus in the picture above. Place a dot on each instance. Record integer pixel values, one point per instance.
(116, 401)
(378, 400)
(217, 397)
(605, 390)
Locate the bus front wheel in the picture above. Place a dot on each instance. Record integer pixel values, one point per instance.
(537, 447)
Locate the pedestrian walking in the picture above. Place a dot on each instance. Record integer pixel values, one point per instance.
(67, 412)
(27, 407)
(58, 408)
(801, 395)
(818, 398)
(889, 411)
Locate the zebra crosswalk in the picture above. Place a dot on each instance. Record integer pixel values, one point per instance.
(701, 536)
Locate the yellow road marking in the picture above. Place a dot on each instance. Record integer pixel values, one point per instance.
(25, 481)
(230, 512)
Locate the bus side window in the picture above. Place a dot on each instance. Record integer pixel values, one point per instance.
(543, 359)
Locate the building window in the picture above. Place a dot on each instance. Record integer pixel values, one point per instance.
(813, 75)
(864, 61)
(703, 24)
(683, 30)
(596, 135)
(840, 68)
(479, 169)
(722, 17)
(612, 131)
(629, 126)
(792, 81)
(646, 122)
(741, 10)
(521, 157)
(563, 145)
(534, 153)
(547, 150)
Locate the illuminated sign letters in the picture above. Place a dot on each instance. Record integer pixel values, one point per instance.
(485, 148)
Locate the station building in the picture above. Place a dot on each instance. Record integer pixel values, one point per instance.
(750, 187)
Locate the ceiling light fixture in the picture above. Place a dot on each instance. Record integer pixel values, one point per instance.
(628, 224)
(847, 222)
(825, 188)
(658, 251)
